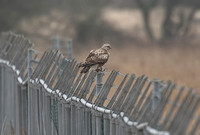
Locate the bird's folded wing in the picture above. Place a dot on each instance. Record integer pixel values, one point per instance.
(99, 56)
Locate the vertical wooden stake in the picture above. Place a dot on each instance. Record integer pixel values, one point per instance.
(30, 66)
(57, 43)
(69, 49)
(99, 82)
(155, 94)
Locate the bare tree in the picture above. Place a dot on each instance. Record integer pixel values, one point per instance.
(170, 28)
(146, 6)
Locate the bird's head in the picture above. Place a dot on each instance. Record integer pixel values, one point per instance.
(106, 46)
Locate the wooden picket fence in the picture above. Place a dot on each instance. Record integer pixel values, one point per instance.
(47, 95)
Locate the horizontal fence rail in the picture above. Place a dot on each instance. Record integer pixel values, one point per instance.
(49, 96)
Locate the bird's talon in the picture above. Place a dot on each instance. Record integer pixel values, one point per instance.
(97, 70)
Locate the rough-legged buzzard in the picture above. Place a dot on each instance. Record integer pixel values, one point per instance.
(97, 58)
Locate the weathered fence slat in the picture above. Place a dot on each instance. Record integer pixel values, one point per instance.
(190, 112)
(136, 110)
(104, 88)
(121, 97)
(68, 88)
(176, 116)
(169, 114)
(88, 83)
(80, 85)
(55, 63)
(48, 65)
(56, 74)
(37, 69)
(62, 74)
(107, 89)
(72, 91)
(195, 128)
(117, 92)
(92, 95)
(135, 97)
(68, 76)
(130, 95)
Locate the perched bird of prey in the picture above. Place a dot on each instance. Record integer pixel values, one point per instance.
(96, 58)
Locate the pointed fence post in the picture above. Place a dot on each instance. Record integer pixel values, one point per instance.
(69, 49)
(155, 94)
(30, 62)
(30, 71)
(99, 82)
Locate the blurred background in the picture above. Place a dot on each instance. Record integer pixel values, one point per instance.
(159, 38)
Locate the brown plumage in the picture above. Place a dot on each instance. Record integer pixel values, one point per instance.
(97, 58)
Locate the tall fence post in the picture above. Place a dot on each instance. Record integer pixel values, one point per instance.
(69, 49)
(67, 118)
(80, 119)
(30, 71)
(2, 72)
(112, 126)
(99, 123)
(87, 119)
(73, 119)
(93, 123)
(155, 94)
(30, 63)
(106, 124)
(99, 82)
(57, 43)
